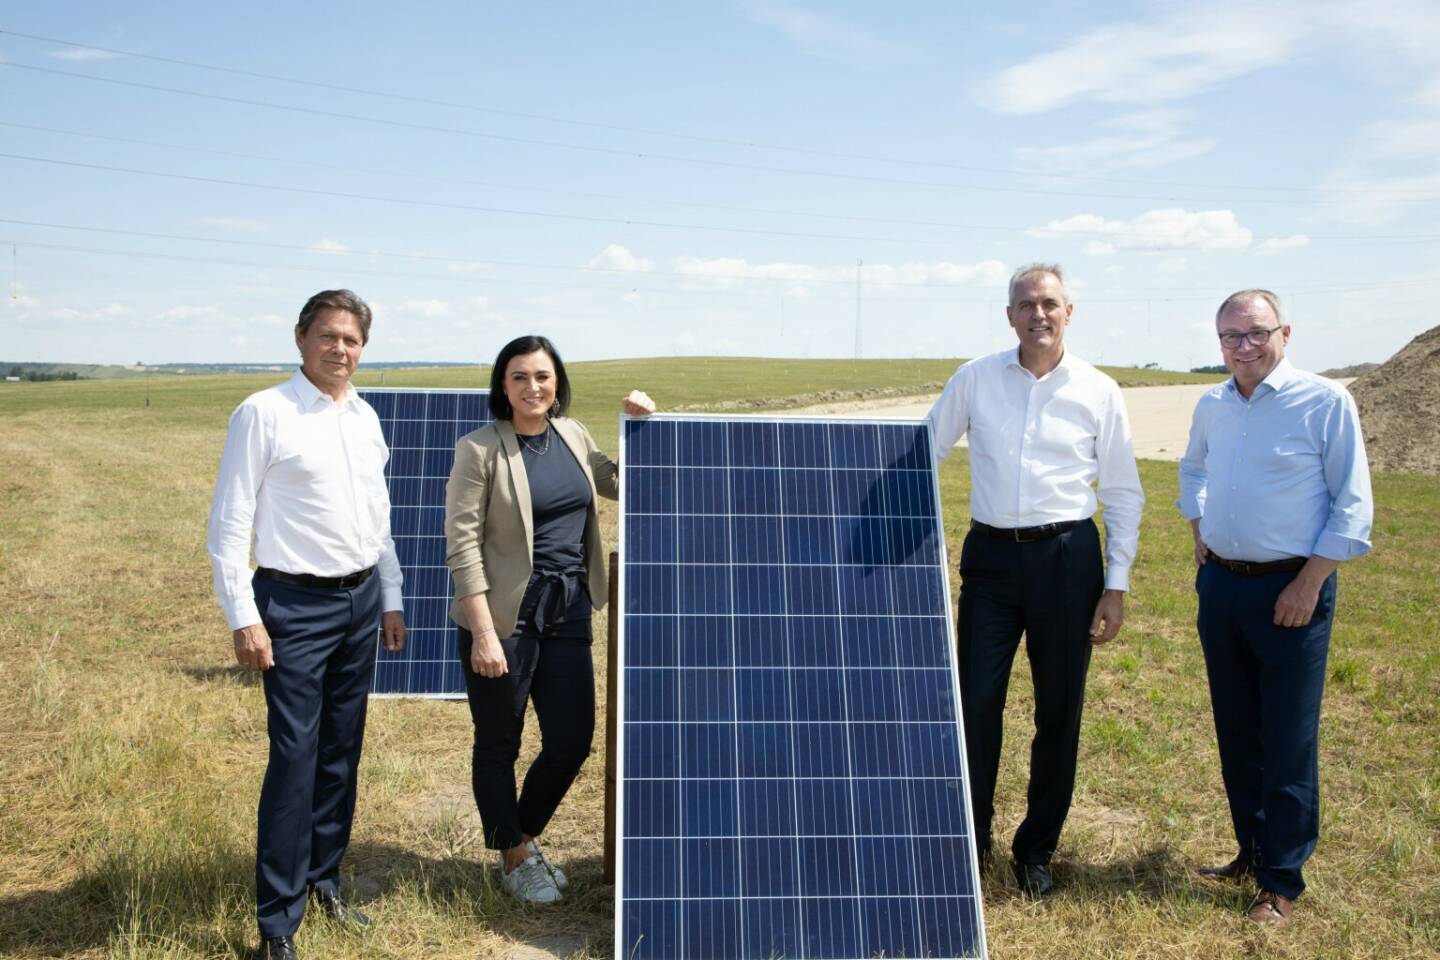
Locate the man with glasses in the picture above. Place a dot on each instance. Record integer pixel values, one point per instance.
(1046, 428)
(1276, 488)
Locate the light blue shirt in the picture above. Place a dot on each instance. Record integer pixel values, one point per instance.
(1280, 475)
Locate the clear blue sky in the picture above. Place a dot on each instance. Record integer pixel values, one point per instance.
(649, 179)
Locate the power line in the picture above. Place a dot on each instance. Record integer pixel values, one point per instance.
(646, 155)
(478, 208)
(1149, 294)
(573, 217)
(696, 204)
(694, 138)
(429, 258)
(390, 274)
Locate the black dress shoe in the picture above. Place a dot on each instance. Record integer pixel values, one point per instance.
(1237, 869)
(277, 948)
(1034, 878)
(336, 909)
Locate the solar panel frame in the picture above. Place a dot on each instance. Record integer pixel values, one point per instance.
(422, 450)
(771, 905)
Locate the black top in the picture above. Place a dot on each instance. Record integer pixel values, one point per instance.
(559, 506)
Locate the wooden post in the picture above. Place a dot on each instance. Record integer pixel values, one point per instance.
(612, 656)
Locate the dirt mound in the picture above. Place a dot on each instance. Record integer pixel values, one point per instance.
(1350, 372)
(1400, 408)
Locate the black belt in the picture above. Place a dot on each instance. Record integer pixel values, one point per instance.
(1248, 569)
(347, 582)
(1025, 534)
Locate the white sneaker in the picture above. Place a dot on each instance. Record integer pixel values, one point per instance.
(529, 881)
(556, 873)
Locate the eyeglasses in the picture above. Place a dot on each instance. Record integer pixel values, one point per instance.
(1231, 340)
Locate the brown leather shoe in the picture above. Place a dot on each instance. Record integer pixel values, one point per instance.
(1270, 909)
(1237, 869)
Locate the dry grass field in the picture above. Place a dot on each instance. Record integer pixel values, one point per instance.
(133, 747)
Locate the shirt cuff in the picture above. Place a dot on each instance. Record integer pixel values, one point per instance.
(1335, 546)
(1190, 508)
(242, 612)
(1117, 578)
(391, 597)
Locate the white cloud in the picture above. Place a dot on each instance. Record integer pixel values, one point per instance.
(1169, 229)
(108, 312)
(82, 53)
(825, 36)
(616, 257)
(329, 246)
(188, 312)
(1177, 56)
(1281, 244)
(1138, 141)
(429, 309)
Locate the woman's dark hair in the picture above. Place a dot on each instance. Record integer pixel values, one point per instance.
(519, 347)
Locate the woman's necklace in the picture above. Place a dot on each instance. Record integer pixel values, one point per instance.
(539, 449)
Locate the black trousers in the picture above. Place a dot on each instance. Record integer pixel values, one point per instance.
(324, 643)
(559, 675)
(1047, 590)
(1266, 684)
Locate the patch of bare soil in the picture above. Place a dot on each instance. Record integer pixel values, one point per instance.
(1400, 408)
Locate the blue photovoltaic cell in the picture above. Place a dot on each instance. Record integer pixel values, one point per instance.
(421, 427)
(791, 762)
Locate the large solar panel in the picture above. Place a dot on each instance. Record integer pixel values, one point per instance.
(791, 759)
(421, 427)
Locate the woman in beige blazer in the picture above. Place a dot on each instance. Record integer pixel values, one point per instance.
(523, 545)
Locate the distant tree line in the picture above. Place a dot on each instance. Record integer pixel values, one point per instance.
(37, 376)
(1213, 368)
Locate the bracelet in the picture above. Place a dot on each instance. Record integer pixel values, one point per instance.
(488, 631)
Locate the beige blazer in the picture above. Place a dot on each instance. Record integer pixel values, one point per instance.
(489, 522)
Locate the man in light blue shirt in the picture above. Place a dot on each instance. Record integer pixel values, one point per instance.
(1276, 488)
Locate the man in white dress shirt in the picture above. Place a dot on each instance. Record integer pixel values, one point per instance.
(1044, 426)
(303, 471)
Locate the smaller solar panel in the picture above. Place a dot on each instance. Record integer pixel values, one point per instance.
(421, 427)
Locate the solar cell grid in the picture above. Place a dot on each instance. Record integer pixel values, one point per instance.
(791, 761)
(421, 428)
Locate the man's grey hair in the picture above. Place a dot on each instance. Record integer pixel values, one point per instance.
(1032, 268)
(1254, 293)
(345, 300)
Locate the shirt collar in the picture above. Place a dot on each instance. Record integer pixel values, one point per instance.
(310, 395)
(1064, 364)
(1276, 380)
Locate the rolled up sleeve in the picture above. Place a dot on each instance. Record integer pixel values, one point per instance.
(1347, 475)
(1192, 469)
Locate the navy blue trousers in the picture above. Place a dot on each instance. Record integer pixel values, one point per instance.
(558, 673)
(1266, 684)
(1046, 590)
(324, 643)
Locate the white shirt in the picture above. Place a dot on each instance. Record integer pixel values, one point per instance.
(1037, 445)
(307, 476)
